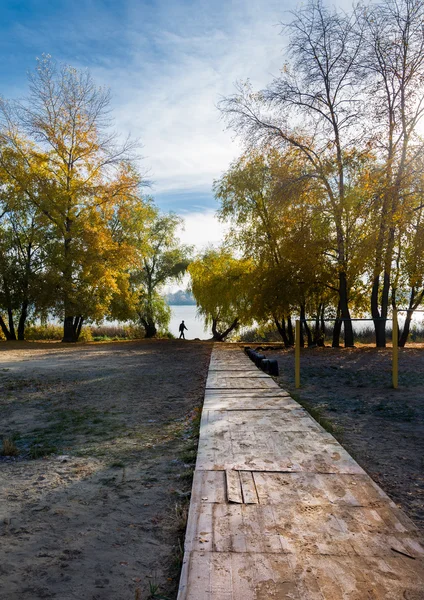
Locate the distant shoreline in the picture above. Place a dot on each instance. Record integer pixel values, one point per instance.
(182, 304)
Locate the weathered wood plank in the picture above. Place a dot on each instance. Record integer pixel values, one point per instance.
(317, 488)
(248, 488)
(209, 486)
(303, 529)
(259, 576)
(253, 383)
(268, 441)
(233, 482)
(246, 404)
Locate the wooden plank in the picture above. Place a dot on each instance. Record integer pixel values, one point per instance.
(235, 383)
(292, 488)
(221, 528)
(246, 393)
(234, 401)
(233, 486)
(208, 486)
(261, 576)
(317, 488)
(302, 528)
(261, 394)
(248, 488)
(268, 420)
(237, 372)
(269, 441)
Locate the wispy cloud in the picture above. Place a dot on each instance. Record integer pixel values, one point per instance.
(202, 229)
(168, 62)
(167, 92)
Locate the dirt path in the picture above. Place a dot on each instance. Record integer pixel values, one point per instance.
(382, 428)
(98, 515)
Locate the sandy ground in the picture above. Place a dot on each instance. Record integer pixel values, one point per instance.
(382, 428)
(100, 513)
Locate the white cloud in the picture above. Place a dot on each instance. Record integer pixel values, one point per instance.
(168, 63)
(169, 100)
(202, 229)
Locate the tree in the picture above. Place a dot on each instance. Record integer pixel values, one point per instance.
(24, 246)
(313, 106)
(76, 174)
(407, 280)
(160, 259)
(275, 211)
(221, 285)
(394, 60)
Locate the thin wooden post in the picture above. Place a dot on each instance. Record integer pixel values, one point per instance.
(395, 350)
(297, 355)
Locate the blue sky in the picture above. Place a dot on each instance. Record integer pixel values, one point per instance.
(167, 63)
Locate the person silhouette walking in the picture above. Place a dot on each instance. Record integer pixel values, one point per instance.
(181, 329)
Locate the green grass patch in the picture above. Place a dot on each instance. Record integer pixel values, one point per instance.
(63, 428)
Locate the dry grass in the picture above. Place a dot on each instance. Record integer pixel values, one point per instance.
(9, 448)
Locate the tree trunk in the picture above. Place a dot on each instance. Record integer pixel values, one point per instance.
(290, 332)
(11, 324)
(319, 334)
(344, 310)
(379, 324)
(6, 331)
(72, 329)
(150, 330)
(308, 334)
(68, 330)
(337, 329)
(304, 325)
(78, 326)
(220, 337)
(22, 320)
(320, 319)
(379, 309)
(406, 327)
(281, 327)
(414, 302)
(11, 335)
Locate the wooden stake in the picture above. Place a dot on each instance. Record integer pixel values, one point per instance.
(395, 356)
(297, 355)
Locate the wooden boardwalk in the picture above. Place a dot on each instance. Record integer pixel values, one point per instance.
(279, 510)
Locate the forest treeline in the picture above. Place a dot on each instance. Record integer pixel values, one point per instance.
(79, 238)
(325, 206)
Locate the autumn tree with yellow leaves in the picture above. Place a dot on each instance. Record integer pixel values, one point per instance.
(349, 100)
(58, 147)
(221, 285)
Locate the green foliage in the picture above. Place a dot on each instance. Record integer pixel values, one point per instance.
(277, 223)
(348, 147)
(74, 181)
(159, 258)
(153, 311)
(220, 284)
(53, 332)
(43, 332)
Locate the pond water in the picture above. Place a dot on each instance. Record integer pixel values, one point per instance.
(194, 323)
